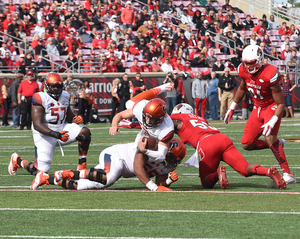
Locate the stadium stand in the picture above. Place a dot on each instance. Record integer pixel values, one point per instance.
(80, 22)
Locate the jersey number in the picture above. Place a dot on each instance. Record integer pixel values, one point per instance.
(255, 94)
(201, 125)
(153, 172)
(55, 113)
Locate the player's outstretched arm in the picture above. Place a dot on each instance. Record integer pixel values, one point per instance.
(241, 91)
(126, 114)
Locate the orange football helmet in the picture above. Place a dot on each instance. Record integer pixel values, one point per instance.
(155, 110)
(54, 85)
(176, 153)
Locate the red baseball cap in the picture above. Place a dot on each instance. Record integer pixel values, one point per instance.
(187, 62)
(145, 60)
(92, 53)
(29, 73)
(178, 58)
(111, 50)
(89, 13)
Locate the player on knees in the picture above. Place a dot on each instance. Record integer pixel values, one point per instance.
(263, 82)
(152, 117)
(111, 168)
(214, 147)
(50, 112)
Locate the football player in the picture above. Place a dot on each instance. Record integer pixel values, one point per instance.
(121, 160)
(50, 112)
(152, 116)
(214, 147)
(263, 82)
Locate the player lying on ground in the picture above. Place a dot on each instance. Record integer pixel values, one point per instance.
(121, 160)
(49, 112)
(152, 116)
(214, 147)
(263, 82)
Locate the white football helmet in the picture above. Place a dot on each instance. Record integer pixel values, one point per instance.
(252, 57)
(183, 108)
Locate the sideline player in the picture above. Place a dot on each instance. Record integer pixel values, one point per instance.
(214, 147)
(263, 82)
(50, 110)
(121, 160)
(152, 116)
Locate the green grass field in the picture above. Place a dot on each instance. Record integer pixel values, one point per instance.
(250, 208)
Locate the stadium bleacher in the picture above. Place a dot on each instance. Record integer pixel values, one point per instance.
(275, 38)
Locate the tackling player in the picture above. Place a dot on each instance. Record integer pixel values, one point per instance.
(122, 160)
(152, 116)
(214, 147)
(50, 110)
(263, 82)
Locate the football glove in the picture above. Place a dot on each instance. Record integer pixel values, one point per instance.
(230, 112)
(63, 135)
(269, 126)
(172, 177)
(78, 119)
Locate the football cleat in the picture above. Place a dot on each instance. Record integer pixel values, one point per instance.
(222, 177)
(275, 175)
(81, 166)
(168, 87)
(13, 165)
(63, 174)
(282, 142)
(289, 178)
(40, 179)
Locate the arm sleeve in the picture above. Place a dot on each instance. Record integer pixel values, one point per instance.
(158, 155)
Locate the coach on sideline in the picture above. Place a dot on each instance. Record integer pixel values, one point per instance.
(25, 92)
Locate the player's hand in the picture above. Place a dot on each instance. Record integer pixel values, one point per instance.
(142, 144)
(228, 116)
(64, 136)
(269, 126)
(173, 176)
(113, 130)
(78, 119)
(163, 188)
(230, 112)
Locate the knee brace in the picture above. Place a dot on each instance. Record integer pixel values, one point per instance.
(99, 175)
(32, 170)
(84, 142)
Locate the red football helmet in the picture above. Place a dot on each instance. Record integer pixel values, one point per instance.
(176, 153)
(155, 110)
(54, 85)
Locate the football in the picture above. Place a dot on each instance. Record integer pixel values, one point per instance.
(151, 143)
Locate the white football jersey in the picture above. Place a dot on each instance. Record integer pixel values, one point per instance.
(55, 111)
(127, 153)
(158, 132)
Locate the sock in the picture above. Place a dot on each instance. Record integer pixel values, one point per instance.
(260, 170)
(149, 94)
(52, 180)
(82, 158)
(280, 156)
(212, 178)
(261, 144)
(21, 162)
(82, 174)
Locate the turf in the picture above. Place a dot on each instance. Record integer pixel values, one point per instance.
(250, 208)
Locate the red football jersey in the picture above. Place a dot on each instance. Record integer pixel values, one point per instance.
(259, 84)
(193, 129)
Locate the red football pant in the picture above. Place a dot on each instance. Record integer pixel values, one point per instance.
(253, 128)
(203, 105)
(216, 148)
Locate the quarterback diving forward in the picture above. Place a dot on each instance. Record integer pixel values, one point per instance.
(263, 82)
(121, 160)
(214, 147)
(50, 111)
(152, 116)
